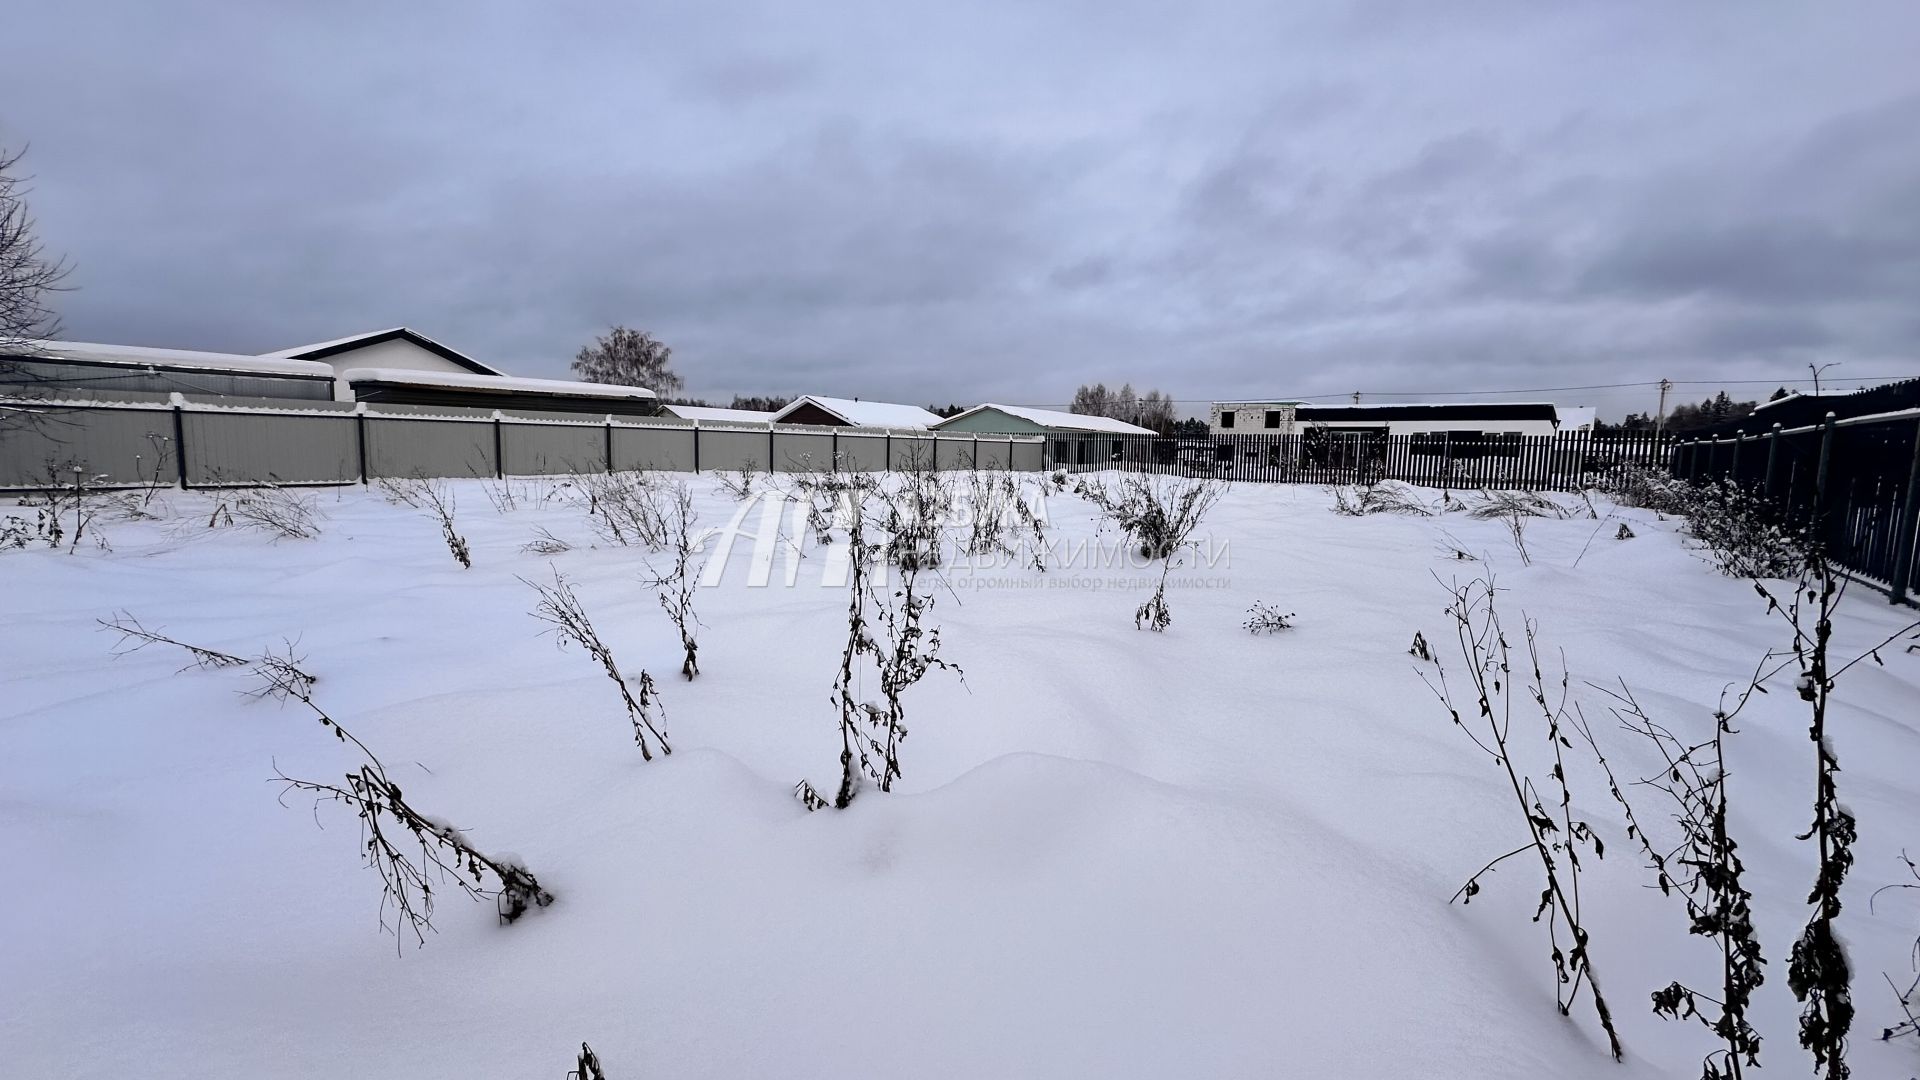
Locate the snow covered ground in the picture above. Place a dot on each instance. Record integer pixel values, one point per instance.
(1113, 852)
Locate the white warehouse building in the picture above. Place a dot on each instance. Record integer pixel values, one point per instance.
(1490, 418)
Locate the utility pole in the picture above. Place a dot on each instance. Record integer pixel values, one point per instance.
(1660, 416)
(1356, 397)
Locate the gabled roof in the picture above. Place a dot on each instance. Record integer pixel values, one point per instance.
(708, 412)
(864, 413)
(1052, 419)
(141, 356)
(498, 383)
(320, 350)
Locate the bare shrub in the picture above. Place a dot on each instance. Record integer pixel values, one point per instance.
(740, 482)
(1517, 533)
(1552, 834)
(437, 499)
(913, 520)
(627, 508)
(1379, 497)
(545, 543)
(276, 510)
(1818, 970)
(677, 585)
(1263, 618)
(1511, 504)
(1703, 870)
(1905, 999)
(409, 849)
(1158, 515)
(887, 636)
(560, 608)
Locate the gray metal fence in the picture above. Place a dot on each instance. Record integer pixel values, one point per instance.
(132, 439)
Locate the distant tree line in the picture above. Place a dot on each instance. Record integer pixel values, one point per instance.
(1150, 410)
(1714, 411)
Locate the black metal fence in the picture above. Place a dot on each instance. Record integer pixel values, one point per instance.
(1854, 482)
(1565, 462)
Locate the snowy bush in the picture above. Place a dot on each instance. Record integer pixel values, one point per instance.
(1158, 515)
(676, 586)
(628, 508)
(270, 508)
(1263, 618)
(561, 609)
(1553, 835)
(1703, 870)
(410, 850)
(437, 499)
(887, 638)
(740, 482)
(1379, 497)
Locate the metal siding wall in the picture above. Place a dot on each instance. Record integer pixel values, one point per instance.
(669, 448)
(953, 453)
(553, 448)
(109, 442)
(911, 452)
(34, 375)
(795, 451)
(251, 448)
(863, 453)
(994, 454)
(726, 449)
(1029, 456)
(398, 447)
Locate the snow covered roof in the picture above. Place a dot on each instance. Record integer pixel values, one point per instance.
(501, 383)
(320, 350)
(703, 412)
(142, 356)
(865, 413)
(1054, 419)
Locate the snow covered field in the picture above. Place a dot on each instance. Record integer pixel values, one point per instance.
(1112, 853)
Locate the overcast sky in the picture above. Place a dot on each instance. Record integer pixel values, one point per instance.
(973, 201)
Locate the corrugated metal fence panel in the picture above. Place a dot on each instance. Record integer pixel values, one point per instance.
(992, 454)
(123, 445)
(1029, 456)
(796, 451)
(863, 453)
(911, 452)
(952, 452)
(727, 449)
(669, 448)
(397, 447)
(534, 449)
(284, 448)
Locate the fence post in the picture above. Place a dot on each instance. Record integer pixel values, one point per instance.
(696, 445)
(499, 454)
(834, 454)
(180, 437)
(1907, 532)
(1820, 476)
(360, 437)
(1739, 440)
(609, 442)
(1773, 454)
(886, 464)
